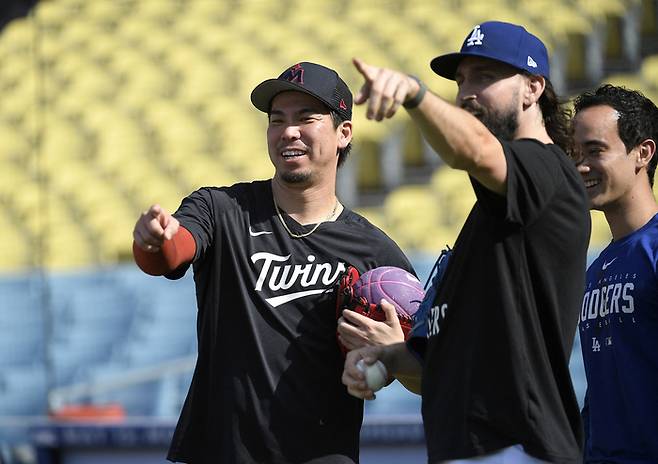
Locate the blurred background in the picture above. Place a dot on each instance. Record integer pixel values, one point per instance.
(108, 106)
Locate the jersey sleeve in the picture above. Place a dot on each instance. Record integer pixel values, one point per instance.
(198, 213)
(534, 175)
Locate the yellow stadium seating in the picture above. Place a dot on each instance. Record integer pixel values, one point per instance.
(648, 11)
(601, 235)
(631, 81)
(649, 70)
(123, 103)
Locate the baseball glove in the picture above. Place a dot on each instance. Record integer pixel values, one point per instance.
(346, 298)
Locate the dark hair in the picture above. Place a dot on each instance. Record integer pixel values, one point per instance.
(638, 116)
(556, 117)
(342, 152)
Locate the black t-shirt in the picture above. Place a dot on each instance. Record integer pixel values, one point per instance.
(502, 325)
(267, 384)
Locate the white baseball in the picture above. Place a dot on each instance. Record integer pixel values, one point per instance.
(376, 374)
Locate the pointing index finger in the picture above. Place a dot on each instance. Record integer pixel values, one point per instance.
(367, 71)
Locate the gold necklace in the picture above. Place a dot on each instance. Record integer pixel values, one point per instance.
(305, 234)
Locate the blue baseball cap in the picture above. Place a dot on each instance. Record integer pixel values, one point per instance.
(504, 42)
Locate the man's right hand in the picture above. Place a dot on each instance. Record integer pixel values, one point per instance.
(154, 227)
(384, 89)
(353, 378)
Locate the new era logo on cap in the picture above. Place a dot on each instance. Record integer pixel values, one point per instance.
(316, 80)
(504, 42)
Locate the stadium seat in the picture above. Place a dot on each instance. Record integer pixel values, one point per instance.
(410, 212)
(23, 391)
(15, 253)
(648, 23)
(207, 10)
(202, 171)
(18, 37)
(160, 11)
(15, 145)
(137, 400)
(600, 235)
(99, 307)
(163, 86)
(628, 80)
(649, 70)
(71, 356)
(455, 194)
(22, 348)
(163, 345)
(53, 14)
(598, 8)
(613, 16)
(22, 306)
(100, 12)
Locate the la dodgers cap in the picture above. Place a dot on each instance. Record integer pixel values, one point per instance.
(500, 41)
(314, 79)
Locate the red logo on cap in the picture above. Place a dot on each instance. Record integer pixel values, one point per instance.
(342, 105)
(297, 74)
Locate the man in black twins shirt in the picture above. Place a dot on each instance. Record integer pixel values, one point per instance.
(492, 341)
(266, 254)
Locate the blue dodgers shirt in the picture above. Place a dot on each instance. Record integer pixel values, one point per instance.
(424, 321)
(619, 338)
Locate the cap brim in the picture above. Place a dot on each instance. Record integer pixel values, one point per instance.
(446, 65)
(262, 95)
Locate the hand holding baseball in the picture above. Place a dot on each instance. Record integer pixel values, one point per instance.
(384, 90)
(154, 227)
(376, 374)
(355, 377)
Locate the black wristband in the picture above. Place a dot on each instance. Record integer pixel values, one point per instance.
(414, 102)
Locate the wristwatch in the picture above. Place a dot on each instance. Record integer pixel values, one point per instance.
(414, 102)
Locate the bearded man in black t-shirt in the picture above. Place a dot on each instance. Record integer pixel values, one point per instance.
(266, 254)
(490, 349)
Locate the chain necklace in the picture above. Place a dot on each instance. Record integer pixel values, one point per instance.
(305, 234)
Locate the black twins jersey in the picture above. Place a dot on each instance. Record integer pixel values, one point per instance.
(267, 385)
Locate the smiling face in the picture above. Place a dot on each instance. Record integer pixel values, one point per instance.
(608, 169)
(302, 140)
(491, 91)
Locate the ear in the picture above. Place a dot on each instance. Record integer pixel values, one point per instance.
(645, 152)
(344, 134)
(534, 88)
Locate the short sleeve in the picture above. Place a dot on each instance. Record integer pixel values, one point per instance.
(196, 213)
(534, 175)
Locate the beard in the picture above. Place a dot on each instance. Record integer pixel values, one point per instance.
(503, 124)
(296, 177)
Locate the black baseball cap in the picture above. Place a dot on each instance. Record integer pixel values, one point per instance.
(314, 79)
